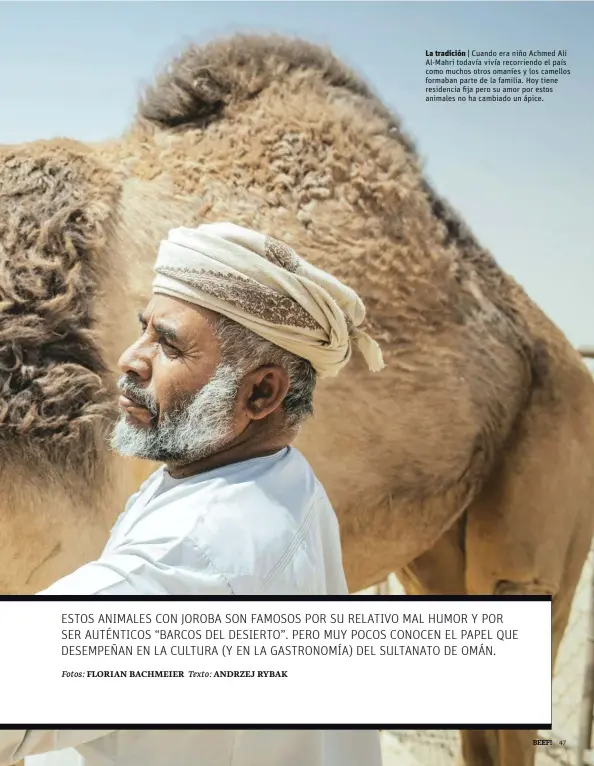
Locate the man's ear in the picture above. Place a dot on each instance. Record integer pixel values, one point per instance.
(263, 390)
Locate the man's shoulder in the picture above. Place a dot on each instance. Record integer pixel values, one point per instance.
(264, 501)
(285, 478)
(262, 523)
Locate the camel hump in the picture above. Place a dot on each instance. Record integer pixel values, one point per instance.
(198, 85)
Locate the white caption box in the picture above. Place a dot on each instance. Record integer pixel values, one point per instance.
(359, 661)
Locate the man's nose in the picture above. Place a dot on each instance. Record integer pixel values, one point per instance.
(135, 363)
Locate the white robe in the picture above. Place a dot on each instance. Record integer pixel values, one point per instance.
(260, 527)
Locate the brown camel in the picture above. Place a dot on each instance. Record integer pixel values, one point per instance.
(465, 466)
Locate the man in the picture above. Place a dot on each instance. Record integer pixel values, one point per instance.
(216, 387)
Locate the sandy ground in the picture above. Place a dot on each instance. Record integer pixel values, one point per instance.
(440, 748)
(396, 753)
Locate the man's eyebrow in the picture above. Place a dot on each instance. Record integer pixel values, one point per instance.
(166, 332)
(169, 333)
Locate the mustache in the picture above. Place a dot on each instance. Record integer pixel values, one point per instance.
(137, 394)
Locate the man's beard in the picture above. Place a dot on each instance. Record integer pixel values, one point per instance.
(191, 431)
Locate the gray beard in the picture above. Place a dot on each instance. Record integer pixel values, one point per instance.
(191, 432)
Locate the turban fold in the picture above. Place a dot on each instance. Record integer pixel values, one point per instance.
(262, 284)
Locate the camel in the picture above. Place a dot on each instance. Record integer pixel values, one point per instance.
(465, 466)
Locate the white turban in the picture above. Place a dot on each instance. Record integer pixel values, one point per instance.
(264, 285)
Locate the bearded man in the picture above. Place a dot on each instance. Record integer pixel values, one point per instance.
(237, 332)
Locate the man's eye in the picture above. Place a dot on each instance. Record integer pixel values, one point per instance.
(168, 347)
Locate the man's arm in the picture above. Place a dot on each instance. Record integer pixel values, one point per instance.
(164, 566)
(170, 566)
(16, 744)
(96, 578)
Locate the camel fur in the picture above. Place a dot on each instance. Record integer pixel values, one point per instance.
(465, 466)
